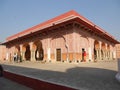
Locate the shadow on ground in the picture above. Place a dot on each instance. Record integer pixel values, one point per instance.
(6, 84)
(83, 78)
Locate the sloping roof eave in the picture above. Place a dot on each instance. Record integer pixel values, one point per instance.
(61, 19)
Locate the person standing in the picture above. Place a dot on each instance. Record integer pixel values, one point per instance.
(15, 57)
(84, 54)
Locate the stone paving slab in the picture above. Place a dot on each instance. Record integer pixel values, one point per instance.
(83, 76)
(6, 84)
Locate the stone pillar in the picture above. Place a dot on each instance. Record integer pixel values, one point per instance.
(106, 52)
(100, 50)
(109, 54)
(114, 54)
(22, 52)
(32, 58)
(48, 55)
(97, 51)
(48, 51)
(7, 54)
(90, 53)
(32, 55)
(103, 54)
(98, 54)
(23, 55)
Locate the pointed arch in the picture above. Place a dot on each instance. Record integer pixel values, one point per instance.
(39, 52)
(58, 42)
(96, 48)
(17, 49)
(26, 49)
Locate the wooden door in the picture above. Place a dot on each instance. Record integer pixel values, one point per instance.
(58, 54)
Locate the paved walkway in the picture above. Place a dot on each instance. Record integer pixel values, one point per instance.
(83, 76)
(6, 84)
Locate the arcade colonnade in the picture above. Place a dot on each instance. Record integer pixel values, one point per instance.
(103, 51)
(68, 37)
(61, 49)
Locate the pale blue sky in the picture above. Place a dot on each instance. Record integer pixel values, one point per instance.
(18, 15)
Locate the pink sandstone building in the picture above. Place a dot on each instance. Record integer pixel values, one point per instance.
(118, 50)
(69, 38)
(2, 52)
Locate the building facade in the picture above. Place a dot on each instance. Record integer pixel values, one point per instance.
(2, 52)
(118, 50)
(69, 38)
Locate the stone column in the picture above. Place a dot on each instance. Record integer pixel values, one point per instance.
(48, 51)
(90, 53)
(109, 54)
(22, 52)
(32, 55)
(23, 55)
(7, 54)
(103, 54)
(106, 51)
(100, 50)
(32, 58)
(114, 54)
(48, 54)
(97, 51)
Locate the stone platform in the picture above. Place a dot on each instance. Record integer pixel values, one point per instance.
(83, 76)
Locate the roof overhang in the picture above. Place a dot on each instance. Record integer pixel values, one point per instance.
(69, 16)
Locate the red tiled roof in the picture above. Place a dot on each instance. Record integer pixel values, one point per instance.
(72, 12)
(61, 18)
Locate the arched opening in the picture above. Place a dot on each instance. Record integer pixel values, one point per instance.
(59, 45)
(17, 55)
(84, 43)
(39, 52)
(27, 52)
(96, 48)
(103, 51)
(17, 49)
(108, 51)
